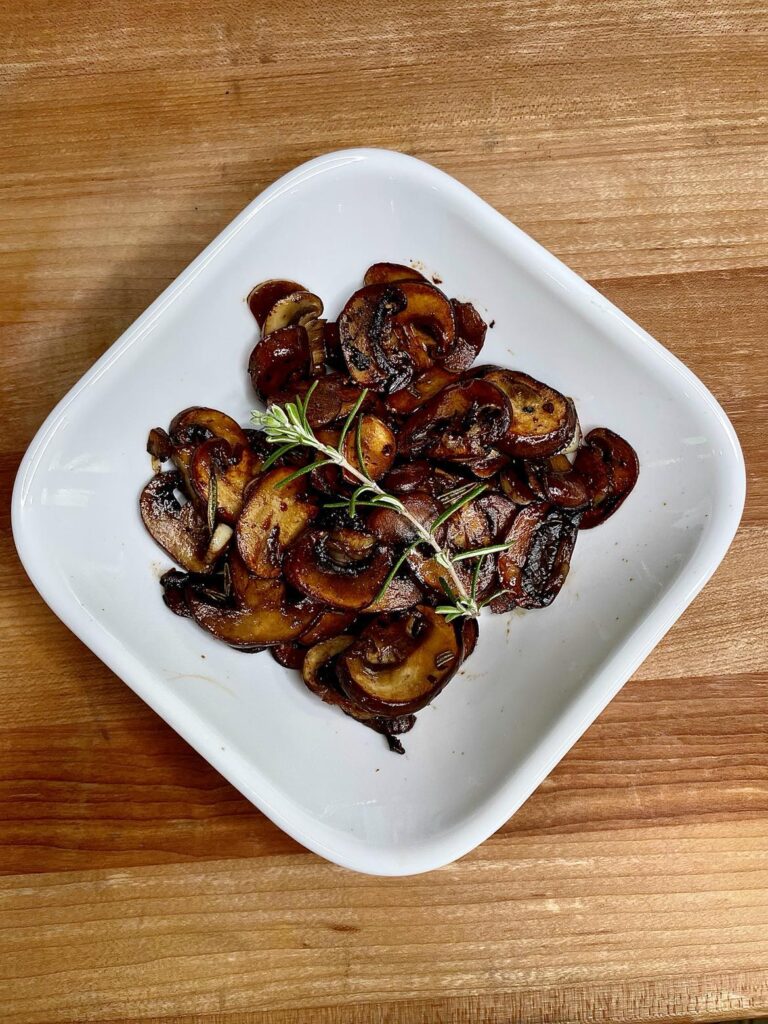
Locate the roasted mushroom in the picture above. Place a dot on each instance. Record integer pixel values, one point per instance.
(470, 337)
(609, 466)
(298, 307)
(391, 273)
(277, 510)
(276, 623)
(178, 527)
(280, 360)
(399, 663)
(534, 566)
(542, 422)
(333, 570)
(390, 331)
(459, 423)
(264, 296)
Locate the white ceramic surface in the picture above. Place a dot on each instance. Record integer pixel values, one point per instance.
(537, 679)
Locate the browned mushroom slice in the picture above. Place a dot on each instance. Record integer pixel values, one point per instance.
(297, 307)
(279, 360)
(289, 655)
(536, 563)
(375, 442)
(514, 484)
(470, 632)
(234, 470)
(179, 528)
(249, 591)
(331, 622)
(273, 516)
(499, 511)
(333, 399)
(251, 627)
(400, 662)
(432, 576)
(332, 572)
(332, 346)
(460, 422)
(543, 421)
(319, 669)
(401, 593)
(319, 674)
(610, 467)
(192, 426)
(488, 466)
(557, 481)
(263, 297)
(420, 390)
(159, 446)
(470, 337)
(393, 528)
(391, 273)
(388, 331)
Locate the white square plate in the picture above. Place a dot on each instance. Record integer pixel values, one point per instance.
(537, 679)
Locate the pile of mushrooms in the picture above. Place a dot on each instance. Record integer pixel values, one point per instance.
(268, 568)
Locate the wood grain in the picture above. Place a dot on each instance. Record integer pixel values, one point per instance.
(632, 139)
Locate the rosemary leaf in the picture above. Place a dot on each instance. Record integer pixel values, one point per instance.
(464, 500)
(301, 472)
(350, 420)
(276, 454)
(213, 500)
(359, 446)
(479, 552)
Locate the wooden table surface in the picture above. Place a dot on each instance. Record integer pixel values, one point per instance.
(632, 140)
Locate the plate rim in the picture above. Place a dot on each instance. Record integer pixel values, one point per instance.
(620, 663)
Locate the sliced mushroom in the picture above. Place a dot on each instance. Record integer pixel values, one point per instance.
(388, 331)
(401, 593)
(327, 571)
(470, 632)
(254, 592)
(263, 297)
(234, 469)
(197, 424)
(330, 623)
(557, 481)
(372, 438)
(175, 585)
(179, 528)
(289, 655)
(536, 563)
(514, 484)
(609, 466)
(393, 528)
(249, 627)
(159, 446)
(319, 669)
(391, 273)
(408, 399)
(333, 399)
(488, 466)
(543, 421)
(274, 515)
(400, 662)
(297, 307)
(279, 360)
(334, 356)
(459, 423)
(470, 337)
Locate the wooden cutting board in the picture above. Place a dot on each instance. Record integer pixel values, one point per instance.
(632, 140)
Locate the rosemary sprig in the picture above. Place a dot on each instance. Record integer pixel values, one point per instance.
(288, 427)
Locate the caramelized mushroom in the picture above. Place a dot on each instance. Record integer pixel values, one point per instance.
(289, 655)
(470, 337)
(333, 573)
(543, 421)
(333, 399)
(388, 331)
(295, 308)
(393, 528)
(459, 423)
(252, 627)
(557, 481)
(391, 273)
(331, 622)
(263, 297)
(534, 566)
(279, 360)
(377, 444)
(609, 466)
(403, 592)
(420, 390)
(274, 514)
(400, 662)
(234, 469)
(179, 528)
